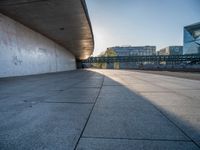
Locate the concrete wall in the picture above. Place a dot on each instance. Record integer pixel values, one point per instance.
(25, 52)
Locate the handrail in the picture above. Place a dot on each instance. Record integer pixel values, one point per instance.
(150, 58)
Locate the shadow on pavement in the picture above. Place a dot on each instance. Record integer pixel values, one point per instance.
(98, 110)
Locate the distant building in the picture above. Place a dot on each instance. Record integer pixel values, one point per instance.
(171, 50)
(134, 50)
(192, 39)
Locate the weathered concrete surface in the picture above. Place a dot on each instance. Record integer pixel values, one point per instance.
(64, 21)
(25, 52)
(185, 75)
(100, 110)
(123, 144)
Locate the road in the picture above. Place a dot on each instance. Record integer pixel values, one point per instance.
(99, 110)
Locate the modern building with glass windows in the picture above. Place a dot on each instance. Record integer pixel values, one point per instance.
(192, 39)
(171, 50)
(134, 50)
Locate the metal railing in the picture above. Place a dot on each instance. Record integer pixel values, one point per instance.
(151, 58)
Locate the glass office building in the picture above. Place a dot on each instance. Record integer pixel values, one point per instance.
(134, 50)
(192, 39)
(171, 50)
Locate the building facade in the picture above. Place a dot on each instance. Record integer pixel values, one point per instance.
(171, 50)
(134, 50)
(192, 39)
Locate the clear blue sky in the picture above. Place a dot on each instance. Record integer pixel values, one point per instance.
(141, 22)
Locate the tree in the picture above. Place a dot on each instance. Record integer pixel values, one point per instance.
(110, 53)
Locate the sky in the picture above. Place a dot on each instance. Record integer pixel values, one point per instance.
(140, 22)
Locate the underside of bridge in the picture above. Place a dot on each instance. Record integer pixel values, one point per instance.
(40, 36)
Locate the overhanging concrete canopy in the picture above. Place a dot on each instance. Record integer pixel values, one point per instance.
(64, 21)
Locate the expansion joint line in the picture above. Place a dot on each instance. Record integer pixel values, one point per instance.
(81, 135)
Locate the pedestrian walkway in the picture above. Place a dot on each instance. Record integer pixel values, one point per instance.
(99, 110)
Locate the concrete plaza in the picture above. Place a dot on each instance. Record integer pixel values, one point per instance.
(99, 110)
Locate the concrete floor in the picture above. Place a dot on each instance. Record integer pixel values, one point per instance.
(185, 75)
(99, 110)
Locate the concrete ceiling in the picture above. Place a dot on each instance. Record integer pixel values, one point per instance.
(64, 21)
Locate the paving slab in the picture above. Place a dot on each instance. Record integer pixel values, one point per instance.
(186, 75)
(175, 99)
(146, 88)
(192, 94)
(186, 117)
(132, 110)
(30, 121)
(94, 81)
(198, 143)
(79, 95)
(122, 144)
(42, 126)
(118, 117)
(170, 108)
